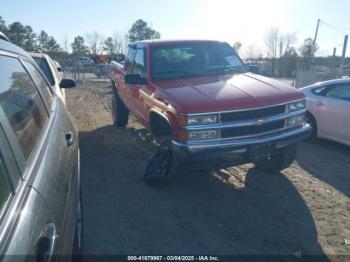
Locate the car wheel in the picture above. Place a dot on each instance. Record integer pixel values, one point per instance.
(310, 119)
(283, 159)
(78, 237)
(120, 113)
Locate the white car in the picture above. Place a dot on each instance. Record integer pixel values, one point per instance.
(85, 61)
(49, 68)
(328, 109)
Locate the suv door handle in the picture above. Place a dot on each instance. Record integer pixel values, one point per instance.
(69, 138)
(46, 243)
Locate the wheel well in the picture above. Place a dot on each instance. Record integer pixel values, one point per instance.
(159, 125)
(310, 115)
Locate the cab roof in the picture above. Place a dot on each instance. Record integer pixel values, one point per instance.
(157, 42)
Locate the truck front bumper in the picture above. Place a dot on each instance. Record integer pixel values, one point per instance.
(223, 153)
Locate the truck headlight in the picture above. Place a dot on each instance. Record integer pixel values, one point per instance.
(295, 120)
(202, 119)
(203, 135)
(295, 106)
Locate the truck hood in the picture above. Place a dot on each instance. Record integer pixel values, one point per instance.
(221, 93)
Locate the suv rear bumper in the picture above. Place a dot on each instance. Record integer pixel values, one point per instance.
(239, 151)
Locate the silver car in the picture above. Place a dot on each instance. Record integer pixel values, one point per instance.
(50, 70)
(328, 109)
(40, 208)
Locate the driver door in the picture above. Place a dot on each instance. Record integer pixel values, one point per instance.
(133, 92)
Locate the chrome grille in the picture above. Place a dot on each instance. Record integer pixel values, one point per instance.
(253, 113)
(252, 130)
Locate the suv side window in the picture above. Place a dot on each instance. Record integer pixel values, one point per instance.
(21, 103)
(40, 82)
(139, 67)
(5, 191)
(129, 60)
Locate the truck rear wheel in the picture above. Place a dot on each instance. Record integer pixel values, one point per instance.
(278, 162)
(119, 111)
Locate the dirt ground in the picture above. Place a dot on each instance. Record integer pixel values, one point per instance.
(303, 210)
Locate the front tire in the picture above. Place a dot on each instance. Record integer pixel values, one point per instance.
(120, 113)
(310, 119)
(282, 160)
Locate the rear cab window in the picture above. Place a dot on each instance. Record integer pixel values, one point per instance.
(129, 60)
(139, 67)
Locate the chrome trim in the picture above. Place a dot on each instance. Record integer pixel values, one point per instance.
(245, 109)
(244, 123)
(274, 137)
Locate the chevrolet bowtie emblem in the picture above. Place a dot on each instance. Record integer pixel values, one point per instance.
(261, 122)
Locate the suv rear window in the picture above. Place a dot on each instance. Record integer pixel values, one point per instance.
(21, 103)
(44, 66)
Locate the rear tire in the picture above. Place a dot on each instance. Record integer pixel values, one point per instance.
(120, 113)
(278, 162)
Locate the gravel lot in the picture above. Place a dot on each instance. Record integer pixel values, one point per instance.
(303, 210)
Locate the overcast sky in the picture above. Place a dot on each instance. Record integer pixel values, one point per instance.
(246, 21)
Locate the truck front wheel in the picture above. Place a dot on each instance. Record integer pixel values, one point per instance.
(119, 111)
(278, 162)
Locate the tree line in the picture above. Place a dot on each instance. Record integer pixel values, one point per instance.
(283, 57)
(92, 43)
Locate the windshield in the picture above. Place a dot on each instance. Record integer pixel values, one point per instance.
(194, 59)
(44, 66)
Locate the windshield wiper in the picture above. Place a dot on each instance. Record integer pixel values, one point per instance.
(222, 70)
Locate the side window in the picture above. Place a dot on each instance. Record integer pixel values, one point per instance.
(44, 66)
(21, 103)
(5, 191)
(129, 60)
(40, 83)
(139, 67)
(340, 92)
(319, 90)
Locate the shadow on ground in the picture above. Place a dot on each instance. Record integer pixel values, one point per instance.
(194, 214)
(327, 161)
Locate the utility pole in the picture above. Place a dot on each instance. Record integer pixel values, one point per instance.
(343, 55)
(314, 43)
(334, 51)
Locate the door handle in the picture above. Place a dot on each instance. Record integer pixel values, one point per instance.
(69, 138)
(319, 103)
(46, 243)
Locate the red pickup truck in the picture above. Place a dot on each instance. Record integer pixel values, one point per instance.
(198, 98)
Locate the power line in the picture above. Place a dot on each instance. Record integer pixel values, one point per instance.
(334, 27)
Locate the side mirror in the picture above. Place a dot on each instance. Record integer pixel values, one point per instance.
(253, 68)
(59, 69)
(67, 83)
(134, 79)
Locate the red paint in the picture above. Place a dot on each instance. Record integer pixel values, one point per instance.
(199, 94)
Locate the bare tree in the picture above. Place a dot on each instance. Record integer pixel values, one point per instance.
(121, 41)
(273, 41)
(65, 44)
(95, 42)
(251, 52)
(237, 46)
